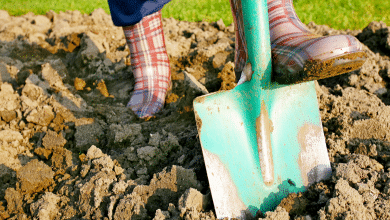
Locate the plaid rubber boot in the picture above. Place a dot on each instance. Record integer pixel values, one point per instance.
(300, 56)
(241, 52)
(150, 64)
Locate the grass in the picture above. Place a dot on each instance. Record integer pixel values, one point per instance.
(20, 7)
(343, 14)
(338, 14)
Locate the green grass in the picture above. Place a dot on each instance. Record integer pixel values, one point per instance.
(343, 14)
(20, 7)
(338, 14)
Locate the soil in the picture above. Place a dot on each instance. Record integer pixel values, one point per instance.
(70, 149)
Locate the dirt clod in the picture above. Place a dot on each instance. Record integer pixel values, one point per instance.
(14, 201)
(46, 207)
(35, 176)
(52, 140)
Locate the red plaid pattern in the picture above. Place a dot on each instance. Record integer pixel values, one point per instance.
(150, 64)
(241, 53)
(292, 43)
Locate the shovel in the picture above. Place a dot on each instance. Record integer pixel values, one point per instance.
(260, 140)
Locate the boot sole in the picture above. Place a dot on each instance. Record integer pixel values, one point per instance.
(320, 69)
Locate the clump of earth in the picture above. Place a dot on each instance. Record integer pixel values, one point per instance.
(70, 149)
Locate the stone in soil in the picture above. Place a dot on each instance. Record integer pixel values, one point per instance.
(41, 115)
(192, 199)
(14, 201)
(34, 177)
(125, 135)
(52, 140)
(87, 135)
(279, 214)
(46, 207)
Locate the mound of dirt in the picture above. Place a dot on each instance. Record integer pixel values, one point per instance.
(70, 149)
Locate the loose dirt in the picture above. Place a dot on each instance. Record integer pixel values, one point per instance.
(70, 149)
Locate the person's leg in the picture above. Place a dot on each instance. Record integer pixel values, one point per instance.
(150, 64)
(298, 55)
(240, 56)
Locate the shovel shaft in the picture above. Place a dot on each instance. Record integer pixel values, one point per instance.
(256, 29)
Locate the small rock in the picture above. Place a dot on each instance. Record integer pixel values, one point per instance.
(172, 208)
(52, 140)
(119, 187)
(35, 90)
(41, 115)
(155, 139)
(124, 135)
(306, 217)
(88, 51)
(230, 28)
(131, 205)
(46, 208)
(168, 144)
(380, 91)
(130, 155)
(350, 171)
(43, 152)
(353, 79)
(41, 23)
(79, 84)
(107, 62)
(35, 176)
(87, 135)
(219, 60)
(161, 215)
(51, 76)
(174, 181)
(14, 201)
(120, 65)
(9, 100)
(142, 171)
(221, 26)
(101, 188)
(23, 75)
(211, 50)
(279, 214)
(295, 204)
(61, 158)
(118, 170)
(4, 74)
(194, 84)
(4, 15)
(93, 153)
(104, 162)
(228, 76)
(146, 153)
(113, 200)
(10, 136)
(8, 115)
(347, 198)
(364, 162)
(84, 170)
(181, 159)
(192, 198)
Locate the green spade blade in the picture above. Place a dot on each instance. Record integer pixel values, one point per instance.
(260, 141)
